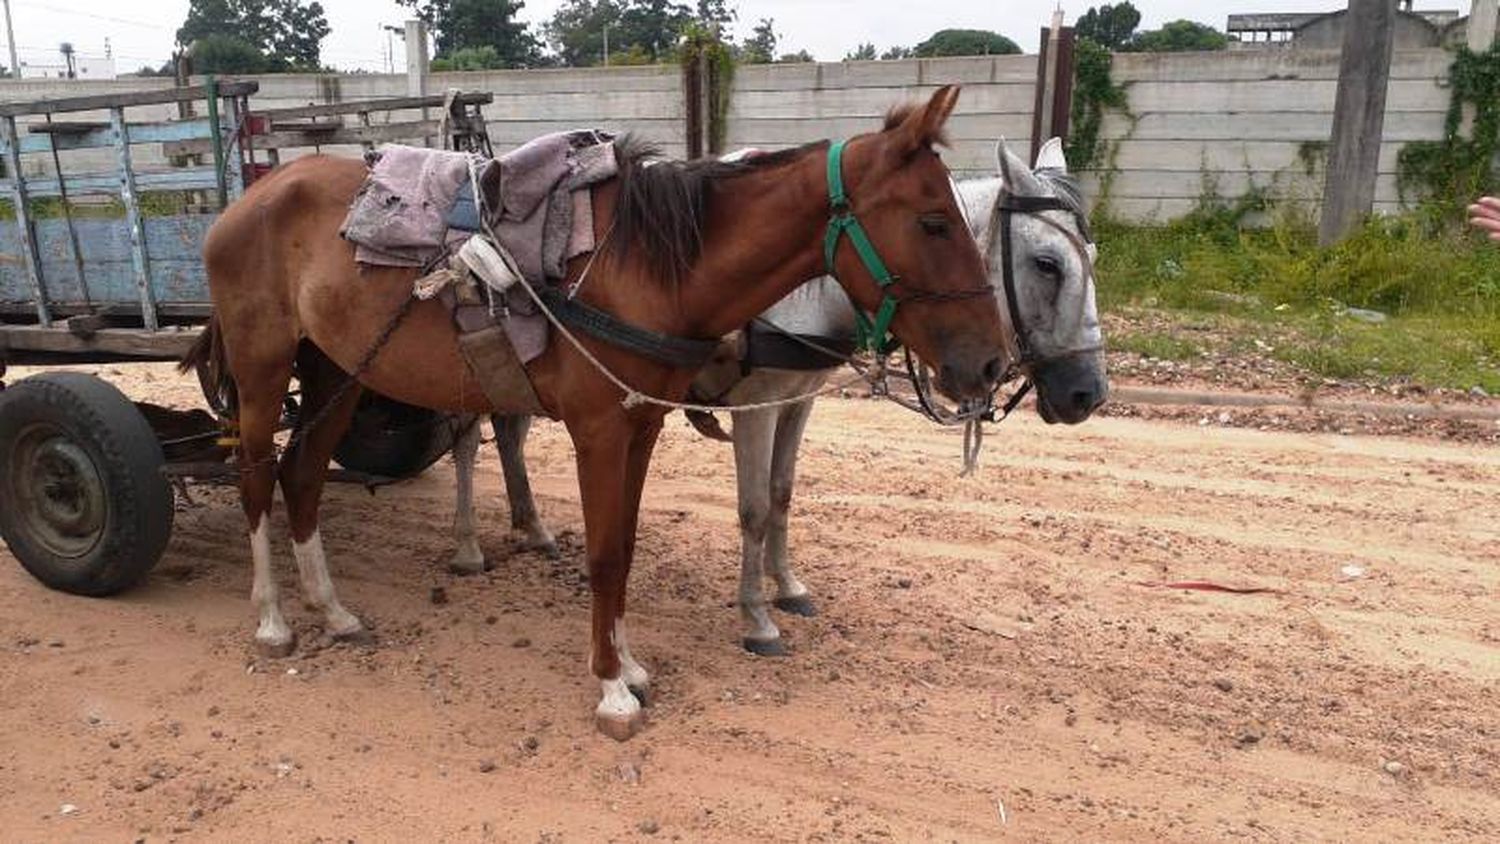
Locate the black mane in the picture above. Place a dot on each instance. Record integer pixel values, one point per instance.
(663, 205)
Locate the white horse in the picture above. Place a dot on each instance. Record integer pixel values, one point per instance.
(1029, 225)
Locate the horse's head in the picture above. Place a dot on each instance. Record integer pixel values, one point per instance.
(1037, 232)
(936, 301)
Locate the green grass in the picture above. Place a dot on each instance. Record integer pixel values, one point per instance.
(1439, 287)
(1155, 344)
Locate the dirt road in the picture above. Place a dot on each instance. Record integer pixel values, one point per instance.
(986, 666)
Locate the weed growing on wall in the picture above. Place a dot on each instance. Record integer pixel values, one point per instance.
(1445, 175)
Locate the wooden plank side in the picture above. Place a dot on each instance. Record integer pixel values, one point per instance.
(167, 344)
(174, 243)
(185, 178)
(140, 261)
(21, 202)
(124, 99)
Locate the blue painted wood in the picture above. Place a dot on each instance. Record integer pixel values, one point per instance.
(35, 285)
(179, 178)
(175, 245)
(104, 137)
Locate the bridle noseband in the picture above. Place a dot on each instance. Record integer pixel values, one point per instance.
(870, 333)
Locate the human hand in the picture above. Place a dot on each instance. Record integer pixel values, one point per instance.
(1485, 214)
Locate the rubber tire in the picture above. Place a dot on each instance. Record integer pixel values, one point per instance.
(395, 440)
(123, 449)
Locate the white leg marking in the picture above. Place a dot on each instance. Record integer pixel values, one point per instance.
(467, 557)
(273, 632)
(317, 587)
(631, 672)
(616, 702)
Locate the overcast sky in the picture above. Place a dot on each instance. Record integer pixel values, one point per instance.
(142, 31)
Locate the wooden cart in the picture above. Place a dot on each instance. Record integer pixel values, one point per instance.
(110, 198)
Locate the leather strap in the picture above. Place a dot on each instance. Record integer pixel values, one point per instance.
(677, 352)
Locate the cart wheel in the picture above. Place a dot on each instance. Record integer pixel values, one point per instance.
(395, 440)
(87, 509)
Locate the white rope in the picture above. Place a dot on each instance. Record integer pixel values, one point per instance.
(634, 397)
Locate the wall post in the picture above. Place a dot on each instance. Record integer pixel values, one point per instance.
(1358, 118)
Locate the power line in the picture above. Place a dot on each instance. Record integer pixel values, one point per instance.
(127, 21)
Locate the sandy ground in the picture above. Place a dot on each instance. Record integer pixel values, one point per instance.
(986, 665)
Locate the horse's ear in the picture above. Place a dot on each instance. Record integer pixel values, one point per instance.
(1051, 156)
(1015, 176)
(923, 127)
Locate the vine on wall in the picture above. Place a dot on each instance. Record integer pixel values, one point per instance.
(1447, 174)
(706, 43)
(1094, 93)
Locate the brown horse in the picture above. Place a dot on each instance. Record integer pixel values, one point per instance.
(693, 250)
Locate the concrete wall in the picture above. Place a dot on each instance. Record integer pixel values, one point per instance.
(781, 105)
(1236, 119)
(1242, 119)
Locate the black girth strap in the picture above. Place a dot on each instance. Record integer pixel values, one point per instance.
(678, 352)
(773, 348)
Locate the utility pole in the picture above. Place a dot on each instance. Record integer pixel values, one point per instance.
(10, 39)
(1358, 118)
(606, 43)
(1484, 19)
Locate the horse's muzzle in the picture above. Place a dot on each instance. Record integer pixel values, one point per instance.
(969, 376)
(1071, 389)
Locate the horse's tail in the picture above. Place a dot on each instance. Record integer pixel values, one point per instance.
(208, 359)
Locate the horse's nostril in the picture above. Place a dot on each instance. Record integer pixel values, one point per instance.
(992, 370)
(1085, 400)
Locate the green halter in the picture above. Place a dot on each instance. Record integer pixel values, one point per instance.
(869, 334)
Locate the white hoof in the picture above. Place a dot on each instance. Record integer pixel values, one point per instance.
(619, 714)
(275, 642)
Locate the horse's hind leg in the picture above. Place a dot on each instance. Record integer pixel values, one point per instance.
(791, 595)
(467, 556)
(261, 386)
(327, 410)
(510, 439)
(754, 436)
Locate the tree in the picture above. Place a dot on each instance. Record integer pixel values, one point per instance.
(760, 47)
(229, 54)
(1177, 37)
(799, 57)
(716, 15)
(1109, 26)
(287, 33)
(469, 25)
(637, 28)
(862, 53)
(469, 58)
(896, 53)
(965, 42)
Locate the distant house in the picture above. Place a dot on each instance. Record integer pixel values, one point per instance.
(1325, 30)
(84, 67)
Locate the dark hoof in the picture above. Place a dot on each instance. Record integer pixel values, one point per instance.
(800, 605)
(364, 637)
(277, 650)
(765, 647)
(642, 694)
(548, 550)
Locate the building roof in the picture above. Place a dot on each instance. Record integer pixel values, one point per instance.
(1292, 21)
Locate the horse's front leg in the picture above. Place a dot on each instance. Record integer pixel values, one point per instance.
(791, 595)
(612, 459)
(467, 556)
(510, 439)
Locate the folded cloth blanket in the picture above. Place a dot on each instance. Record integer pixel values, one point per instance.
(399, 217)
(543, 188)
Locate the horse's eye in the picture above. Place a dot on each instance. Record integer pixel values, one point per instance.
(1048, 267)
(934, 224)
